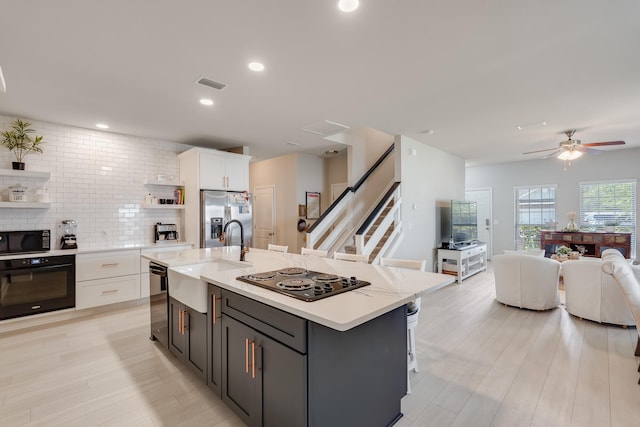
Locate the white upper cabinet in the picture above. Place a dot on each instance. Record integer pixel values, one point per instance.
(216, 170)
(237, 172)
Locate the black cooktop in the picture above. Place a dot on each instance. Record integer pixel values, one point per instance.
(303, 284)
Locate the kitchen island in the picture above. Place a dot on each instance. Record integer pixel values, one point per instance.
(277, 360)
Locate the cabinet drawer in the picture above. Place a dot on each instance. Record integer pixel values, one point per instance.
(286, 328)
(93, 293)
(474, 251)
(107, 264)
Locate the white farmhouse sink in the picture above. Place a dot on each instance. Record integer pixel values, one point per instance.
(185, 284)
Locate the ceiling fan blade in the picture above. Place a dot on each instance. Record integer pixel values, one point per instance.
(601, 144)
(554, 154)
(539, 151)
(589, 150)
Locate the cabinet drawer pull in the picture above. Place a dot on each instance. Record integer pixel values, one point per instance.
(253, 359)
(110, 264)
(215, 312)
(246, 355)
(109, 291)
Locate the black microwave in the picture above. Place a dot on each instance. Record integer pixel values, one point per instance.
(16, 242)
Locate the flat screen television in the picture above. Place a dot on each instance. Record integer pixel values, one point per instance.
(459, 221)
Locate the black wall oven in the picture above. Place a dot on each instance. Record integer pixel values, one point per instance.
(36, 285)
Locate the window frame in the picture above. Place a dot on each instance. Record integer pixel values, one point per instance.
(614, 213)
(532, 241)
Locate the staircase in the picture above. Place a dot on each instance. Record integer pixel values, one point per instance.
(352, 249)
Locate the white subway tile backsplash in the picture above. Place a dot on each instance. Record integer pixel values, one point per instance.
(97, 179)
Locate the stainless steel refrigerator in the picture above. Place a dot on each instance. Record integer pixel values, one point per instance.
(219, 207)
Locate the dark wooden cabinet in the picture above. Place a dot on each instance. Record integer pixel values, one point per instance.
(188, 336)
(263, 380)
(593, 243)
(214, 340)
(282, 370)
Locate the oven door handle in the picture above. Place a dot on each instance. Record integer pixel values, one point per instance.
(38, 269)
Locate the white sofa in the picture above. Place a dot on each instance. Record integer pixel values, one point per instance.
(628, 279)
(592, 294)
(526, 281)
(532, 252)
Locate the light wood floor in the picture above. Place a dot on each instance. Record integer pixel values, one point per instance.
(481, 364)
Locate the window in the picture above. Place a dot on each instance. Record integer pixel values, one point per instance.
(608, 205)
(535, 207)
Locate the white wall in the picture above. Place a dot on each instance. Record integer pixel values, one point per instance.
(427, 178)
(97, 179)
(615, 164)
(336, 171)
(292, 175)
(364, 147)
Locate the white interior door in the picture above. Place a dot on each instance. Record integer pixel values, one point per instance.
(264, 214)
(484, 198)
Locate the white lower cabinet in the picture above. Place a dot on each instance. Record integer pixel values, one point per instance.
(107, 277)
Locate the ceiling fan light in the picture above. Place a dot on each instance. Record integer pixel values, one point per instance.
(570, 155)
(348, 5)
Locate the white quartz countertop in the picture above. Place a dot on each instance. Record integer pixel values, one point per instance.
(390, 287)
(93, 249)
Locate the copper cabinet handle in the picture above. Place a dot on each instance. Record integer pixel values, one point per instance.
(109, 291)
(246, 355)
(215, 316)
(110, 264)
(253, 359)
(185, 313)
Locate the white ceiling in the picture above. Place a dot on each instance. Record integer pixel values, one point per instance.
(470, 70)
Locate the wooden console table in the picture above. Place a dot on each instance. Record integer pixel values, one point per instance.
(594, 243)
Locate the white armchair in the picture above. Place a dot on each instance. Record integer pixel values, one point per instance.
(592, 294)
(526, 281)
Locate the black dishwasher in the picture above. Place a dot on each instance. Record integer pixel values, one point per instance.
(158, 303)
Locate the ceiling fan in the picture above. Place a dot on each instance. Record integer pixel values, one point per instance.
(571, 149)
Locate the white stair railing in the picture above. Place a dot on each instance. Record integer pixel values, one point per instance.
(390, 217)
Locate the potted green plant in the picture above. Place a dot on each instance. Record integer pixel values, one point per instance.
(19, 140)
(610, 226)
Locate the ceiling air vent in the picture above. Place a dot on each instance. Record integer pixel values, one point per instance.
(211, 83)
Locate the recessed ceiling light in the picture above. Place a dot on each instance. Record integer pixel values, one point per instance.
(256, 66)
(531, 125)
(427, 132)
(331, 153)
(102, 126)
(348, 5)
(293, 144)
(207, 102)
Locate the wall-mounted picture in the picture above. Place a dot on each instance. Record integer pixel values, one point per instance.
(313, 205)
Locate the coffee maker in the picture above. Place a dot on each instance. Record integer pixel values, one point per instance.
(165, 232)
(68, 230)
